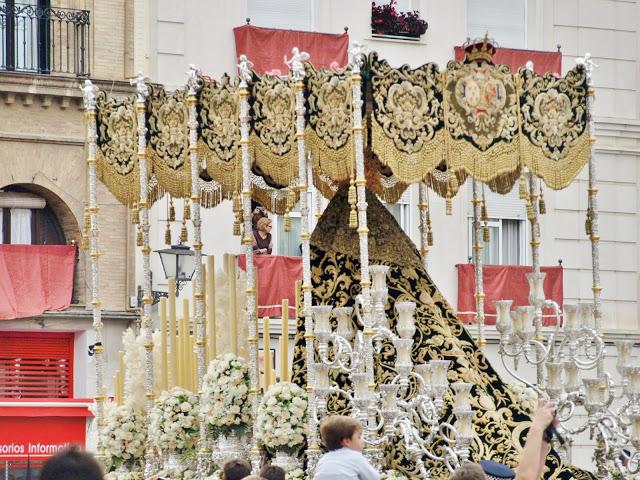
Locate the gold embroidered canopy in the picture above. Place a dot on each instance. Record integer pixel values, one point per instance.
(473, 118)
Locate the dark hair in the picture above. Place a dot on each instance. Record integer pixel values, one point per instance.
(272, 472)
(337, 428)
(236, 469)
(71, 464)
(468, 471)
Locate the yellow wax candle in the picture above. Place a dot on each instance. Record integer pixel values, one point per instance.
(185, 343)
(283, 365)
(266, 346)
(298, 291)
(116, 389)
(205, 328)
(233, 305)
(272, 378)
(193, 364)
(173, 339)
(122, 374)
(163, 344)
(284, 353)
(211, 309)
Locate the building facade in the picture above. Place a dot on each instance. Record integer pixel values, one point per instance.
(48, 48)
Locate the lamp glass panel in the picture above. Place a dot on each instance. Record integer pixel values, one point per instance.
(168, 263)
(186, 266)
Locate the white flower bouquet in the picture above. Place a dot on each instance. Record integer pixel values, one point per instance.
(295, 474)
(527, 397)
(225, 403)
(174, 421)
(124, 437)
(282, 417)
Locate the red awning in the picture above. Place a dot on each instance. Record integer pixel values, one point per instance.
(277, 277)
(504, 282)
(267, 47)
(543, 62)
(35, 278)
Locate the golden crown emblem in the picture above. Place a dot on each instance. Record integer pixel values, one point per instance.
(480, 49)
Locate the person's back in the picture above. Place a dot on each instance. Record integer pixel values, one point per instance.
(344, 460)
(71, 464)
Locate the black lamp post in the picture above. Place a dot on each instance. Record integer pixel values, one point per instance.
(177, 262)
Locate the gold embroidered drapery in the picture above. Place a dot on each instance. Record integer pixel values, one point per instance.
(420, 124)
(117, 140)
(168, 144)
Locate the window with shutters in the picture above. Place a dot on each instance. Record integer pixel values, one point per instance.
(36, 365)
(285, 14)
(507, 227)
(504, 20)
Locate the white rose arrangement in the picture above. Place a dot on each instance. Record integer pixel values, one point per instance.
(225, 403)
(282, 417)
(124, 437)
(295, 474)
(527, 397)
(174, 420)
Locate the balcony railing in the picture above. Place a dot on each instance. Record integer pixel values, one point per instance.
(45, 40)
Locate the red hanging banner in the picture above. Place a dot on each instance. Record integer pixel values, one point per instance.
(35, 278)
(543, 62)
(267, 47)
(504, 282)
(277, 275)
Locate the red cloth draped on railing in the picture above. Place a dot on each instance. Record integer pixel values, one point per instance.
(504, 282)
(277, 276)
(267, 47)
(35, 278)
(543, 62)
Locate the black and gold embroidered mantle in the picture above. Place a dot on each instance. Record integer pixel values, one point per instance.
(335, 269)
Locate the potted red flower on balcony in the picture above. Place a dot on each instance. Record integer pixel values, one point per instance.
(386, 20)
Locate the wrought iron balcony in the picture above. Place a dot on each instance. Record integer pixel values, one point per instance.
(40, 39)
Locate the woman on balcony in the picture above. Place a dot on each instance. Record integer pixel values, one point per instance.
(262, 241)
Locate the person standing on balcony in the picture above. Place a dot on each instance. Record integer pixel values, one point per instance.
(262, 240)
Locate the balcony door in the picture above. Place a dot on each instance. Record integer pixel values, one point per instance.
(24, 31)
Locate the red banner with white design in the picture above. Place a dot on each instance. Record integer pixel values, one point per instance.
(267, 48)
(504, 282)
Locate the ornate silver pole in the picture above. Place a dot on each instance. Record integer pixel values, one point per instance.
(89, 92)
(298, 73)
(194, 85)
(143, 205)
(477, 264)
(422, 206)
(593, 204)
(244, 70)
(358, 56)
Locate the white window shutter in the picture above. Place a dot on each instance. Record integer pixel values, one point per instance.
(504, 21)
(284, 14)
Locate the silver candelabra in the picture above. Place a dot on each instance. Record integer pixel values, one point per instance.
(575, 346)
(386, 409)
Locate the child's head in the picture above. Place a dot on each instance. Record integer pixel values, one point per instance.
(469, 471)
(272, 472)
(339, 431)
(236, 469)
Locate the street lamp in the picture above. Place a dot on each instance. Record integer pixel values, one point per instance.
(177, 262)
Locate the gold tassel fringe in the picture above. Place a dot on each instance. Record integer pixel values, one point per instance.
(184, 236)
(353, 217)
(542, 206)
(485, 234)
(287, 222)
(135, 214)
(186, 213)
(522, 192)
(291, 199)
(84, 243)
(167, 234)
(430, 237)
(448, 207)
(139, 239)
(172, 210)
